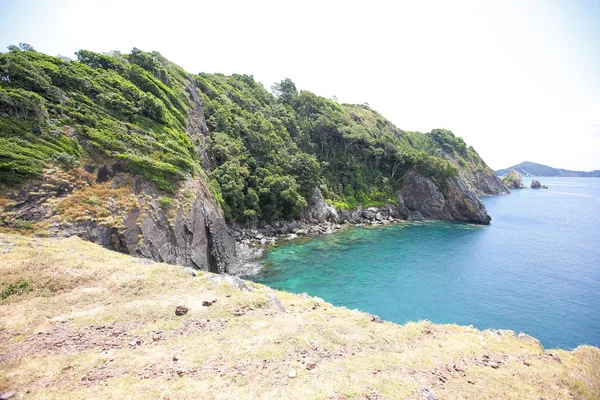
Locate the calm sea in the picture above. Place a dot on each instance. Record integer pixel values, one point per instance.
(535, 269)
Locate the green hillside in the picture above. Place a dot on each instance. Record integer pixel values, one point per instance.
(528, 168)
(265, 153)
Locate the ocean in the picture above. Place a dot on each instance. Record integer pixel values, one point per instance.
(534, 269)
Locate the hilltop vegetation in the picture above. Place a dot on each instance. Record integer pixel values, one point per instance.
(129, 107)
(264, 154)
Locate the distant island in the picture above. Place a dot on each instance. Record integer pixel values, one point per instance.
(528, 168)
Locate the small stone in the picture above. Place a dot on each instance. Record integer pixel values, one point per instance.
(292, 374)
(175, 357)
(494, 365)
(208, 302)
(181, 310)
(180, 372)
(7, 395)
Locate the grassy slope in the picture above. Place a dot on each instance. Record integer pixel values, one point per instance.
(66, 329)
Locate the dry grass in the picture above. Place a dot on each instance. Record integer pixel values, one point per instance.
(98, 324)
(95, 203)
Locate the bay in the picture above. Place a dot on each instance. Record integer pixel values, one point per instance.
(535, 268)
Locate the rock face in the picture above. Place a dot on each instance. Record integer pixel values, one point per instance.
(126, 213)
(484, 183)
(535, 184)
(190, 232)
(186, 228)
(422, 196)
(319, 210)
(513, 180)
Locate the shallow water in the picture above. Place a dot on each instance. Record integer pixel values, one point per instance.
(535, 269)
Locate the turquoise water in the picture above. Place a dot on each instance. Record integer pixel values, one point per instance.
(535, 269)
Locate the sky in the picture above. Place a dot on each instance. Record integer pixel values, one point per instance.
(518, 80)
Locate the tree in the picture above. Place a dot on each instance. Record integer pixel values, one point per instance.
(26, 47)
(285, 91)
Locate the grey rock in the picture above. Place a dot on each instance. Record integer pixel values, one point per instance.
(454, 202)
(525, 337)
(428, 394)
(232, 281)
(7, 395)
(535, 184)
(274, 302)
(191, 271)
(319, 210)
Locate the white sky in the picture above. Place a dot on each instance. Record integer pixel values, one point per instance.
(518, 80)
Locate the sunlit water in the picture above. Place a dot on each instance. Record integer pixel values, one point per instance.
(535, 269)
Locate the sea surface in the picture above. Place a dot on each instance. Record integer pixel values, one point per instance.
(535, 269)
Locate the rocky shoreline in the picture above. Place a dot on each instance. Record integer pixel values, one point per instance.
(253, 239)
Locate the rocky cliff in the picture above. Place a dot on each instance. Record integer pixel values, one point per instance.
(423, 197)
(133, 153)
(126, 213)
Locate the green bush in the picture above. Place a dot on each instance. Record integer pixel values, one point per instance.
(165, 202)
(22, 224)
(14, 289)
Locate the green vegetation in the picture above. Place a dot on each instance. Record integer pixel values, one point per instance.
(267, 152)
(165, 202)
(17, 288)
(528, 168)
(131, 107)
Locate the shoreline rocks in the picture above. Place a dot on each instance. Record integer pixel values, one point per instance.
(535, 184)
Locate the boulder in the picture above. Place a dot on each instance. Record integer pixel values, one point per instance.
(535, 184)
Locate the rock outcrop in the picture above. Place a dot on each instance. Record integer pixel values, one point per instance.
(513, 180)
(452, 201)
(123, 212)
(535, 184)
(190, 231)
(320, 210)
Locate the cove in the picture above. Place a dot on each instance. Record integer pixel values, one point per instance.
(535, 269)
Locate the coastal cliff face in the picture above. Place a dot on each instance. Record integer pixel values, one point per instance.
(126, 213)
(133, 153)
(423, 198)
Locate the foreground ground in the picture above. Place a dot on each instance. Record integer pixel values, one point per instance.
(81, 322)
